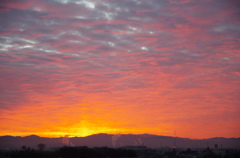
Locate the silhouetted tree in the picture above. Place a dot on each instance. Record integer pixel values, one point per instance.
(208, 153)
(24, 147)
(41, 146)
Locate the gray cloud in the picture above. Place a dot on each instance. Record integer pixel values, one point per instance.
(66, 50)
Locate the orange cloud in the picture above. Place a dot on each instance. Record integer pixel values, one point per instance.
(68, 68)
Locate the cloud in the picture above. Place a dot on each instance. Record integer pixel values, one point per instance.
(150, 63)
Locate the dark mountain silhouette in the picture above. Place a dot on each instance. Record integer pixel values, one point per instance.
(100, 140)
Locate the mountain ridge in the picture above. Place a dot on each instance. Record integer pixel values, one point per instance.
(110, 140)
(145, 134)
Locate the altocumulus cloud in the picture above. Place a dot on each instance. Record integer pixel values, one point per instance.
(174, 61)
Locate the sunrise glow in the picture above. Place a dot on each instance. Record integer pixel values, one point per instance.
(82, 67)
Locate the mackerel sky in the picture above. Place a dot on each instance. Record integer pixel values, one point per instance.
(81, 67)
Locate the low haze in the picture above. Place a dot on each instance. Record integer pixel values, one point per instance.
(82, 67)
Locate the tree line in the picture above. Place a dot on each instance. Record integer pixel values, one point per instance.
(69, 152)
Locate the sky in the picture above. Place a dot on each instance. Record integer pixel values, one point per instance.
(82, 67)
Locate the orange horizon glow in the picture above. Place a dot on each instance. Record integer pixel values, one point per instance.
(85, 67)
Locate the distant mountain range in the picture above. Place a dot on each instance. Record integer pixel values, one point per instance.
(99, 140)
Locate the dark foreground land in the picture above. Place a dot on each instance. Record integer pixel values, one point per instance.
(124, 152)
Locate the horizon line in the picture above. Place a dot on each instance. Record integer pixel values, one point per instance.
(70, 136)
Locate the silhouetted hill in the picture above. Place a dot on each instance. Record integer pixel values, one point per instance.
(100, 140)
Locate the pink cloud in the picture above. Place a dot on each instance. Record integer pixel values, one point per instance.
(173, 65)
